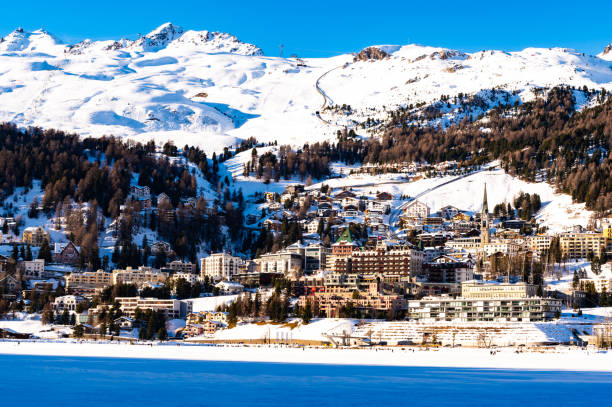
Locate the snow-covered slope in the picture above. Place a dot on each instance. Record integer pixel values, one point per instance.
(210, 89)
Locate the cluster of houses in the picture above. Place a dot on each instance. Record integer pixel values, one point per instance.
(433, 266)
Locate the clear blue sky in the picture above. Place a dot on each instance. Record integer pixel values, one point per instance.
(323, 28)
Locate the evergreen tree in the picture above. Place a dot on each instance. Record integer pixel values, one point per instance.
(45, 251)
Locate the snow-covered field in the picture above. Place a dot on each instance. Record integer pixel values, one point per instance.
(211, 90)
(559, 358)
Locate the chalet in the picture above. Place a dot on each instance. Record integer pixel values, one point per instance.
(11, 334)
(66, 253)
(126, 323)
(344, 194)
(384, 196)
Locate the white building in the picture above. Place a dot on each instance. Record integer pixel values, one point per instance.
(189, 277)
(505, 247)
(220, 266)
(172, 308)
(417, 210)
(33, 268)
(67, 303)
(281, 262)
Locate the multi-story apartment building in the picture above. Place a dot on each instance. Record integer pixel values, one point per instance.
(33, 268)
(35, 236)
(465, 309)
(220, 266)
(181, 267)
(468, 244)
(475, 290)
(143, 275)
(539, 243)
(487, 302)
(506, 247)
(339, 290)
(315, 257)
(387, 259)
(579, 245)
(281, 262)
(88, 282)
(172, 308)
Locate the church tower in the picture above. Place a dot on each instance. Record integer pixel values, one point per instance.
(485, 229)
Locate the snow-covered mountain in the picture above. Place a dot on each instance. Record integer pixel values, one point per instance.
(210, 89)
(606, 53)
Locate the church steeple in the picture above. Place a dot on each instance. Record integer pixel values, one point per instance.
(485, 205)
(485, 229)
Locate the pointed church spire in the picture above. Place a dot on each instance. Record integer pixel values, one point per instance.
(485, 205)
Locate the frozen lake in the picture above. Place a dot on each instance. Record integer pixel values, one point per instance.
(64, 381)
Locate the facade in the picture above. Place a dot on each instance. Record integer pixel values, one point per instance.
(189, 277)
(539, 243)
(220, 266)
(387, 259)
(281, 262)
(340, 290)
(67, 253)
(580, 245)
(474, 290)
(315, 257)
(88, 282)
(67, 303)
(172, 308)
(33, 269)
(35, 236)
(507, 247)
(416, 210)
(182, 267)
(465, 309)
(140, 277)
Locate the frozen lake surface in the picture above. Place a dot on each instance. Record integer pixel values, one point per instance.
(64, 381)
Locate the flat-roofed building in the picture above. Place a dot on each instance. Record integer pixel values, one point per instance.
(497, 290)
(220, 266)
(172, 308)
(88, 282)
(143, 275)
(580, 245)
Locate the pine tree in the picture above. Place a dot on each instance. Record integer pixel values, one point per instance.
(45, 251)
(28, 253)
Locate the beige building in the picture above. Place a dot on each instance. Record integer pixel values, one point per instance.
(172, 308)
(539, 243)
(182, 267)
(474, 290)
(220, 266)
(579, 245)
(88, 282)
(35, 236)
(144, 275)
